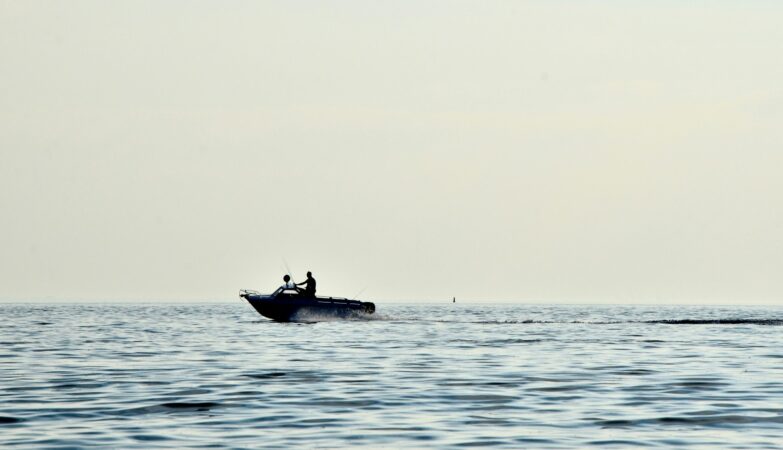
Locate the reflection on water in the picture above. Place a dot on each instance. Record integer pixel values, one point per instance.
(418, 376)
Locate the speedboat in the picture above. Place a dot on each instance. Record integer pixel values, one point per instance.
(288, 305)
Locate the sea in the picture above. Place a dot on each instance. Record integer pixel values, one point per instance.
(446, 375)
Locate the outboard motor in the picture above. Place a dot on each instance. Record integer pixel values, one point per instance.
(369, 307)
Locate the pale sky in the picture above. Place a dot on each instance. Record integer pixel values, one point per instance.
(532, 151)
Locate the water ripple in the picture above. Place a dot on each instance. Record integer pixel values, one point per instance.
(435, 376)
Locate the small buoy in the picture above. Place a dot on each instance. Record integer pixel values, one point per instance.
(454, 300)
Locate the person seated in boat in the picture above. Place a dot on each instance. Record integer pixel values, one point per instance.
(309, 290)
(287, 285)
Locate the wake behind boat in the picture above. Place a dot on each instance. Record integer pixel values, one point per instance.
(289, 305)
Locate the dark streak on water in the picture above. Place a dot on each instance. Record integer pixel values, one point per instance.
(141, 376)
(719, 322)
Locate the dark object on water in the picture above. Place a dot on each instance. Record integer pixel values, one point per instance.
(290, 306)
(454, 300)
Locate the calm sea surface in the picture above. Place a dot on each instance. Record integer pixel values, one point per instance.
(434, 376)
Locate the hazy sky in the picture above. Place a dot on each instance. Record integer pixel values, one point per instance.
(535, 151)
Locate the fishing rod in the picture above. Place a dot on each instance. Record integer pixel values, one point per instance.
(288, 269)
(290, 274)
(358, 293)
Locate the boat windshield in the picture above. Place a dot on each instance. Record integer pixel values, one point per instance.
(282, 290)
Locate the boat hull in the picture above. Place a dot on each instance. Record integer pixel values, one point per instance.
(296, 308)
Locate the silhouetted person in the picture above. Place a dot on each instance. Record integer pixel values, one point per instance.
(287, 284)
(309, 290)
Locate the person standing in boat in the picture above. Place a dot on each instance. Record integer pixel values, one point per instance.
(309, 290)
